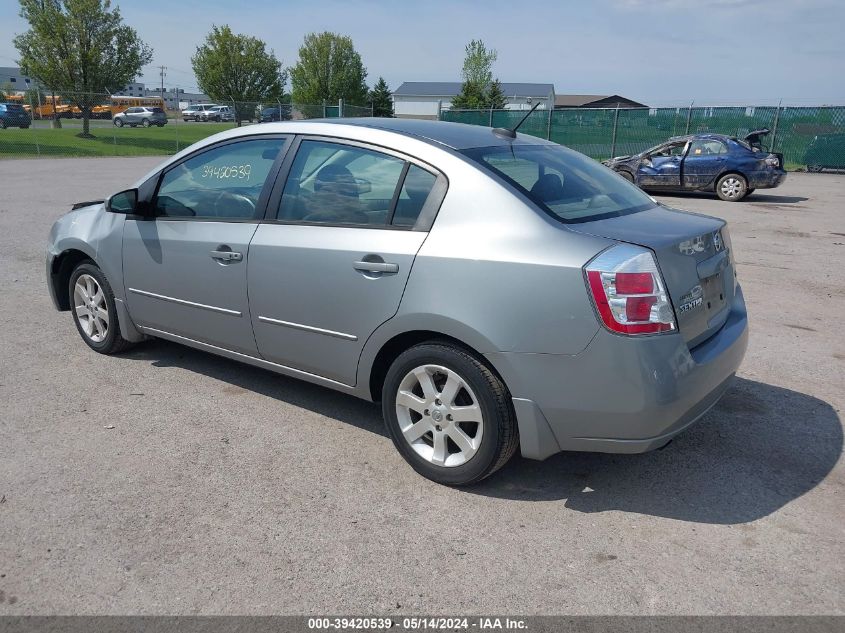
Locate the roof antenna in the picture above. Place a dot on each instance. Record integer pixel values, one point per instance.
(511, 132)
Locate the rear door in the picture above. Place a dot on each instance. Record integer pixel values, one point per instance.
(662, 168)
(704, 161)
(330, 263)
(185, 266)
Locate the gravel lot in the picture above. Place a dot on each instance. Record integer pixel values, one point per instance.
(227, 489)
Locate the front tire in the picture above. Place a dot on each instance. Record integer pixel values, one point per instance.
(118, 122)
(731, 188)
(448, 414)
(145, 123)
(94, 312)
(627, 175)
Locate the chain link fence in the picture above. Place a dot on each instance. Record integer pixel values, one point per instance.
(38, 124)
(809, 137)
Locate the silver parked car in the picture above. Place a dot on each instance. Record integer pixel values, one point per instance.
(217, 113)
(194, 112)
(491, 292)
(140, 116)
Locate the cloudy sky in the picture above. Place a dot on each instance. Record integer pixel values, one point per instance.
(660, 52)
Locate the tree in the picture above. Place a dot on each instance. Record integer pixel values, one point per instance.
(81, 49)
(328, 69)
(471, 97)
(496, 98)
(380, 98)
(479, 89)
(234, 67)
(478, 64)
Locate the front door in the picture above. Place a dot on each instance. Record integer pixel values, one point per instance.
(331, 263)
(662, 168)
(185, 266)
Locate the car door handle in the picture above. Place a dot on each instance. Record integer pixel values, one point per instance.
(376, 267)
(227, 256)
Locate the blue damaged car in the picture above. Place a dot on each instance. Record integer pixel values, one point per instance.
(733, 168)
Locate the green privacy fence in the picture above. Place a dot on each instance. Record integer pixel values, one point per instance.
(807, 136)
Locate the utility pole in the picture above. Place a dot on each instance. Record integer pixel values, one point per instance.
(162, 73)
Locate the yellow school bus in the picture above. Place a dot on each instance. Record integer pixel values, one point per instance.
(119, 103)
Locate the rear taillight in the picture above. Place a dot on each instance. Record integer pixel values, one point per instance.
(629, 292)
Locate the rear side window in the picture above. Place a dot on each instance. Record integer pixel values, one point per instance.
(158, 111)
(332, 183)
(707, 147)
(412, 198)
(567, 185)
(224, 182)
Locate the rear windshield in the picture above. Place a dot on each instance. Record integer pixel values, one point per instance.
(14, 107)
(158, 110)
(567, 185)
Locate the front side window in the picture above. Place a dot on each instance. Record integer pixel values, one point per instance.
(331, 183)
(224, 182)
(567, 185)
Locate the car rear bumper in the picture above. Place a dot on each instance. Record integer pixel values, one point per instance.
(621, 394)
(766, 179)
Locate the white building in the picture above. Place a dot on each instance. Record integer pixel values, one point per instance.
(177, 98)
(421, 99)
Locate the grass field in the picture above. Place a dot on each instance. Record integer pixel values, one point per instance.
(109, 141)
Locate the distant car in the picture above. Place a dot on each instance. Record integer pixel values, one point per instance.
(492, 291)
(275, 113)
(14, 115)
(217, 113)
(825, 151)
(194, 112)
(731, 167)
(141, 116)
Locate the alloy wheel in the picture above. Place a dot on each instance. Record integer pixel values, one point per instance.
(91, 308)
(439, 415)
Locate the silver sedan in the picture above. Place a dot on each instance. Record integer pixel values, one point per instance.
(494, 292)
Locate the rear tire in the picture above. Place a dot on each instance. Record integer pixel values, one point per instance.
(731, 188)
(468, 429)
(93, 308)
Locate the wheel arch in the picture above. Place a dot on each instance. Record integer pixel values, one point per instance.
(727, 172)
(61, 268)
(373, 372)
(629, 170)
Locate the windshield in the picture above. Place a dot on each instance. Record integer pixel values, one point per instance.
(564, 183)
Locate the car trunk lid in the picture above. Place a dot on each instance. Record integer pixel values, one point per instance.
(693, 253)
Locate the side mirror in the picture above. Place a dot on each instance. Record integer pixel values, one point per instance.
(123, 202)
